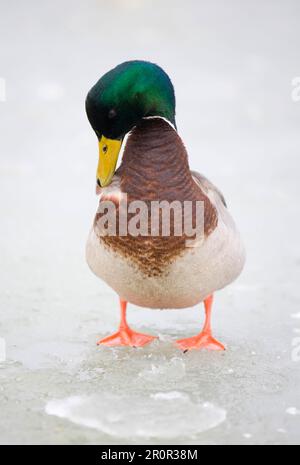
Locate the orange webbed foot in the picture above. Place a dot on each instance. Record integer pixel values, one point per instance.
(204, 340)
(201, 341)
(126, 337)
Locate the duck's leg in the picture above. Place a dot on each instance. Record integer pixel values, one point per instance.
(204, 340)
(125, 336)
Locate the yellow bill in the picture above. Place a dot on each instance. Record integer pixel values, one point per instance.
(108, 156)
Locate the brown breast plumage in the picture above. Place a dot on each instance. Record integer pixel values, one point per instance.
(155, 168)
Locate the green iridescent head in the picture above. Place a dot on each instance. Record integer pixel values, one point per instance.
(126, 94)
(119, 100)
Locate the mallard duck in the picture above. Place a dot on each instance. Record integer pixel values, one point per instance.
(132, 110)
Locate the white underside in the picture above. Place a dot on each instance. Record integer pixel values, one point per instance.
(200, 271)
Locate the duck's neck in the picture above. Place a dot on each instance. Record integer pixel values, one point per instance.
(155, 163)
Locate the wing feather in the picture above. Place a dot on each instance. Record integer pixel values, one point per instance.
(207, 186)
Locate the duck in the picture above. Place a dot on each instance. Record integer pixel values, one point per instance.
(131, 109)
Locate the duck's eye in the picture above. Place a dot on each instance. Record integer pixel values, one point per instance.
(104, 148)
(112, 113)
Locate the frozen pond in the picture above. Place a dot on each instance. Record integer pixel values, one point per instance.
(232, 67)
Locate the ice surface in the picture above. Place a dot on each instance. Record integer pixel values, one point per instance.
(296, 315)
(134, 417)
(232, 64)
(293, 411)
(172, 369)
